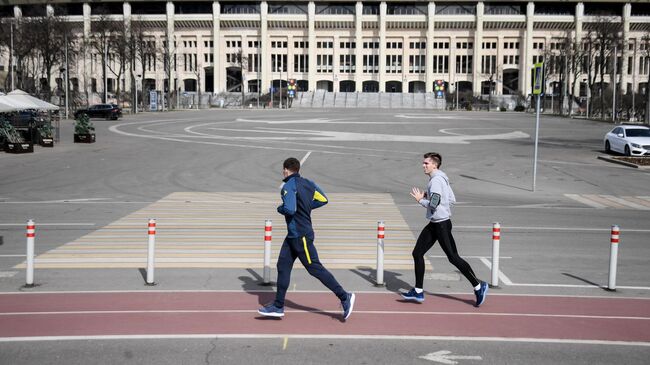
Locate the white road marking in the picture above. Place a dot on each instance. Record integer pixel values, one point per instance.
(445, 357)
(330, 311)
(502, 276)
(46, 224)
(213, 336)
(586, 201)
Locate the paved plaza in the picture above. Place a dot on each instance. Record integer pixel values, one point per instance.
(211, 179)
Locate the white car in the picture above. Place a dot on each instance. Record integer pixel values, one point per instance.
(630, 140)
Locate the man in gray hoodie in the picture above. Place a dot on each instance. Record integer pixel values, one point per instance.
(438, 200)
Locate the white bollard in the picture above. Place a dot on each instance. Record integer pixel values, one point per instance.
(31, 233)
(268, 233)
(380, 253)
(496, 239)
(151, 252)
(613, 257)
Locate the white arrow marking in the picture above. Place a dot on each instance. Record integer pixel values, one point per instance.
(315, 135)
(424, 116)
(443, 357)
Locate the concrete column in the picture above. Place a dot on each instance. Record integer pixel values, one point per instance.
(579, 18)
(499, 81)
(87, 76)
(478, 39)
(128, 75)
(431, 11)
(171, 48)
(311, 10)
(358, 51)
(625, 52)
(290, 60)
(382, 46)
(405, 65)
(335, 64)
(526, 59)
(453, 76)
(218, 82)
(265, 56)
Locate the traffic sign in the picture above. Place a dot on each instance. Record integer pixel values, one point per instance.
(538, 79)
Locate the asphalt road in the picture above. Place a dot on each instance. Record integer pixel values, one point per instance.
(555, 240)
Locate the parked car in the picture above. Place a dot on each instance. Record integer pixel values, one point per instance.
(107, 111)
(631, 140)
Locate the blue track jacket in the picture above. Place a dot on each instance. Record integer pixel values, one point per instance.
(299, 197)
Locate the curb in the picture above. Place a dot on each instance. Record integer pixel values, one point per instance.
(625, 163)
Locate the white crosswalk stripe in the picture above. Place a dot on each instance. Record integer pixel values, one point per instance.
(600, 201)
(226, 230)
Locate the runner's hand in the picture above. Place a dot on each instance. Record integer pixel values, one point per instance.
(417, 194)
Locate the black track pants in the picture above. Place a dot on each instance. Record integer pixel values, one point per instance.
(302, 248)
(440, 232)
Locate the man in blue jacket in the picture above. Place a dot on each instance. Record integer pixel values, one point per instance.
(299, 197)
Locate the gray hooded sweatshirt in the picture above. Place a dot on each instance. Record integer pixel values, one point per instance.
(439, 198)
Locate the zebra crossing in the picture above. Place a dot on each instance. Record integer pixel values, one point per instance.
(226, 230)
(612, 202)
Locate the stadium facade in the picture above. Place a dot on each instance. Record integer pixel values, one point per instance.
(345, 46)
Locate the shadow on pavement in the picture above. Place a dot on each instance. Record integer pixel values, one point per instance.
(393, 283)
(252, 284)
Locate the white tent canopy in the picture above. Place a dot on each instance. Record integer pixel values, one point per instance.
(20, 100)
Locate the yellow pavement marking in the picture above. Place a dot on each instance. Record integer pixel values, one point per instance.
(226, 230)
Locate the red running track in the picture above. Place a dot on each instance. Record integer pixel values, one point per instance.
(308, 313)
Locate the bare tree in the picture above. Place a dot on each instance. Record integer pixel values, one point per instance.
(103, 31)
(242, 62)
(602, 39)
(142, 51)
(168, 59)
(490, 71)
(51, 35)
(23, 53)
(644, 51)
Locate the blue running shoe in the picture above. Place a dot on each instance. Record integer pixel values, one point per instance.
(413, 295)
(271, 311)
(347, 305)
(481, 294)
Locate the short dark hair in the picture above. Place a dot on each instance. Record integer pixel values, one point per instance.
(435, 157)
(292, 164)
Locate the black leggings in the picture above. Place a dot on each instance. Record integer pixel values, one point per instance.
(440, 232)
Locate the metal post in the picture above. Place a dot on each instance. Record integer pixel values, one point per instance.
(496, 239)
(105, 72)
(31, 233)
(268, 233)
(151, 252)
(613, 257)
(614, 87)
(13, 61)
(67, 78)
(536, 143)
(380, 253)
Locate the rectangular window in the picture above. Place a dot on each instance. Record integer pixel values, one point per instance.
(347, 63)
(464, 64)
(417, 64)
(324, 63)
(394, 64)
(370, 63)
(300, 63)
(489, 65)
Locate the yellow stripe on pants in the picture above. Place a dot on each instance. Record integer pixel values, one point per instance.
(304, 243)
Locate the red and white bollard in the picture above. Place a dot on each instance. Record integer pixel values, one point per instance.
(268, 233)
(151, 251)
(30, 234)
(613, 257)
(496, 239)
(380, 253)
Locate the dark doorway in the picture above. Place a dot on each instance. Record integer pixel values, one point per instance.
(209, 79)
(370, 86)
(347, 86)
(393, 87)
(510, 81)
(233, 79)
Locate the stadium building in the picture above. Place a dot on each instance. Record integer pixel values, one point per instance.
(484, 47)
